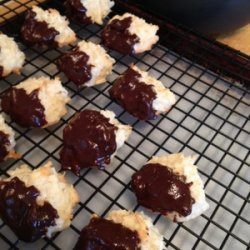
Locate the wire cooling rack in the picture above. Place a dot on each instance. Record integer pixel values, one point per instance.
(210, 119)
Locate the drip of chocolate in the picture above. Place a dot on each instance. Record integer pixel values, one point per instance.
(106, 235)
(116, 36)
(88, 140)
(1, 71)
(134, 96)
(159, 189)
(77, 11)
(75, 66)
(4, 142)
(38, 33)
(25, 109)
(20, 211)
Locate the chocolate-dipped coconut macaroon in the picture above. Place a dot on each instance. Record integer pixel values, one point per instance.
(36, 203)
(141, 95)
(46, 28)
(86, 65)
(120, 230)
(36, 102)
(91, 139)
(171, 186)
(129, 34)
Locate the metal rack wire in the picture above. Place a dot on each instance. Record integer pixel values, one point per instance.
(210, 119)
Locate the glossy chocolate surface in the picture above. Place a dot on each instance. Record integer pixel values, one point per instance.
(77, 11)
(25, 109)
(102, 234)
(159, 189)
(4, 141)
(116, 36)
(88, 140)
(75, 66)
(19, 210)
(38, 33)
(134, 96)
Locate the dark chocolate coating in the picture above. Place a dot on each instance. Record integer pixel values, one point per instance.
(159, 189)
(1, 71)
(4, 141)
(134, 96)
(25, 109)
(102, 234)
(75, 66)
(77, 11)
(117, 36)
(20, 211)
(38, 33)
(88, 140)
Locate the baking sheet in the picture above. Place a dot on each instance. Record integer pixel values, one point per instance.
(210, 119)
(9, 9)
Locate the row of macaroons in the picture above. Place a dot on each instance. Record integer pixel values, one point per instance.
(38, 203)
(51, 97)
(48, 28)
(88, 64)
(41, 102)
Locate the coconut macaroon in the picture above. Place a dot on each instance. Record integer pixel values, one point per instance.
(7, 141)
(11, 57)
(36, 102)
(121, 230)
(91, 139)
(89, 11)
(171, 186)
(86, 65)
(36, 203)
(129, 34)
(141, 95)
(46, 27)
